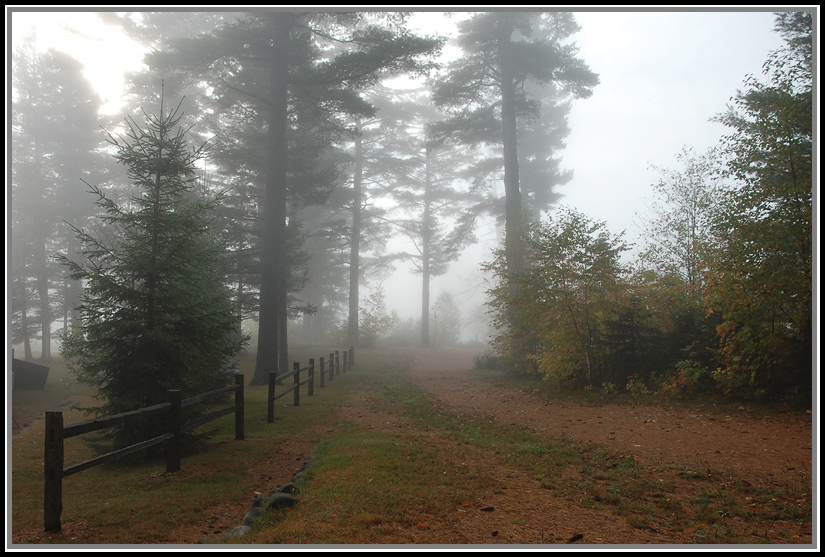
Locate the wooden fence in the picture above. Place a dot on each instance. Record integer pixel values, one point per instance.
(56, 434)
(331, 366)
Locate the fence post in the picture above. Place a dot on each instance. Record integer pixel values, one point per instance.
(53, 463)
(239, 410)
(337, 363)
(322, 372)
(351, 356)
(331, 366)
(270, 399)
(173, 444)
(296, 375)
(311, 389)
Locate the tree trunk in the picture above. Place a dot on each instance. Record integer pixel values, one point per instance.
(355, 241)
(426, 234)
(272, 341)
(512, 210)
(24, 310)
(43, 295)
(71, 292)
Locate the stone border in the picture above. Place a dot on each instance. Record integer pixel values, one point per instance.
(282, 496)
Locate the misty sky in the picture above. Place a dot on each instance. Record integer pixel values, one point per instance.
(663, 76)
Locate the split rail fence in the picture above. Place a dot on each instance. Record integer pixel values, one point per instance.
(56, 433)
(331, 366)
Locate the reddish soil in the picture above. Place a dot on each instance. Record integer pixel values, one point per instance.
(764, 450)
(666, 441)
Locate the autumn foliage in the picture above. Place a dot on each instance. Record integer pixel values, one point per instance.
(719, 300)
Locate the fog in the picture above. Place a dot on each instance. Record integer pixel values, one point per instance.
(662, 77)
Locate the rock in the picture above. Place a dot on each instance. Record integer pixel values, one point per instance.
(299, 477)
(288, 487)
(281, 500)
(237, 531)
(259, 501)
(250, 516)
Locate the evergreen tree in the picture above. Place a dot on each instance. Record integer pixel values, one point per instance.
(485, 91)
(155, 313)
(54, 142)
(434, 194)
(282, 63)
(446, 319)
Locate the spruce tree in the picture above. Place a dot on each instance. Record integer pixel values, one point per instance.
(155, 313)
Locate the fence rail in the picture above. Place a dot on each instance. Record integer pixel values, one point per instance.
(331, 366)
(56, 434)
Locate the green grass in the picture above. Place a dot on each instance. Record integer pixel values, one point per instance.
(123, 498)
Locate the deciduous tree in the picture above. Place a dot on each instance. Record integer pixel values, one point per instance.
(566, 295)
(761, 268)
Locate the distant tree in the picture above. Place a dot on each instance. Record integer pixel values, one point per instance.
(436, 205)
(54, 125)
(376, 323)
(277, 61)
(369, 229)
(155, 312)
(760, 277)
(446, 318)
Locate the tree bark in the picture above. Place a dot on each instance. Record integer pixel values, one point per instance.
(355, 241)
(512, 192)
(272, 340)
(43, 295)
(426, 235)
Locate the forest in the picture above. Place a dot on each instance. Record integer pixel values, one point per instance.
(250, 190)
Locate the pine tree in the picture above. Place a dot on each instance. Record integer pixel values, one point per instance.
(155, 313)
(486, 91)
(282, 64)
(54, 121)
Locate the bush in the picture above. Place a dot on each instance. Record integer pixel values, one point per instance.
(488, 360)
(691, 378)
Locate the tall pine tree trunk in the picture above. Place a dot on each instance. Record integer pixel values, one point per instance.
(43, 296)
(512, 208)
(426, 235)
(272, 341)
(24, 308)
(355, 241)
(71, 292)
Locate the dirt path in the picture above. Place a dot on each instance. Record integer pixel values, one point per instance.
(763, 450)
(773, 451)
